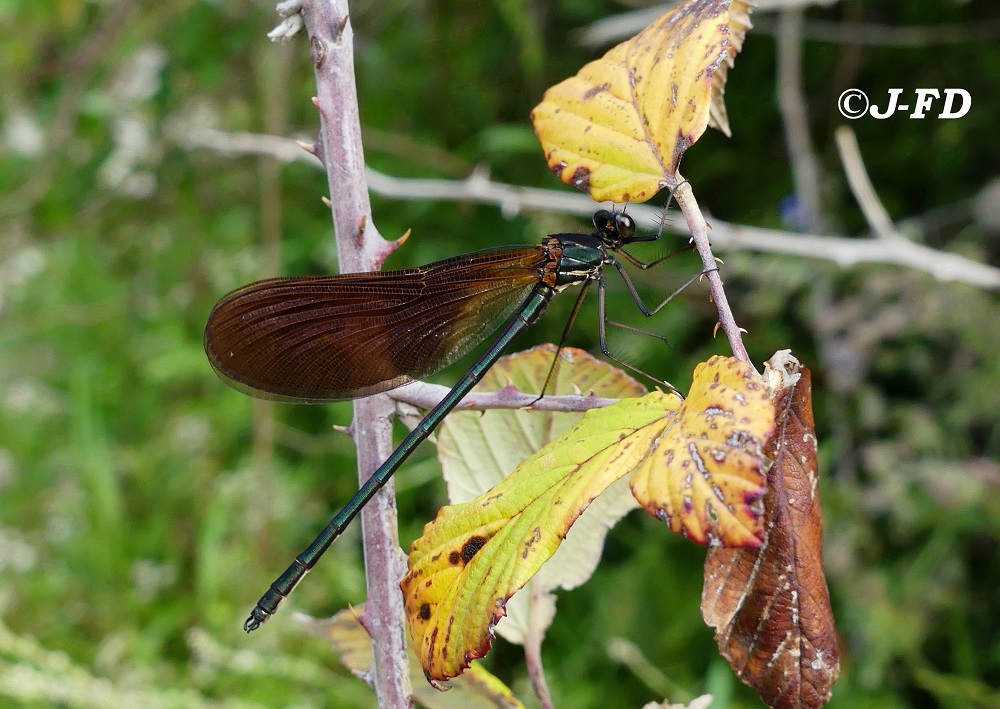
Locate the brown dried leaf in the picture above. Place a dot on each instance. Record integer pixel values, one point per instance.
(770, 606)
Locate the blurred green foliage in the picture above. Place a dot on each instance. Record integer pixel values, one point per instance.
(144, 506)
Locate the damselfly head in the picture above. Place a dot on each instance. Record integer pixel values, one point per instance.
(614, 229)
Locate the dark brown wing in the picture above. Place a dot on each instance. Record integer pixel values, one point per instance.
(356, 334)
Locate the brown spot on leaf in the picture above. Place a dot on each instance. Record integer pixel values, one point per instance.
(595, 90)
(473, 545)
(536, 534)
(581, 178)
(425, 611)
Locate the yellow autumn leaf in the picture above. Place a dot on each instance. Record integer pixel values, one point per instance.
(618, 128)
(698, 465)
(475, 555)
(704, 476)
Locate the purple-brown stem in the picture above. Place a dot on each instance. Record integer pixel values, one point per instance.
(360, 248)
(699, 237)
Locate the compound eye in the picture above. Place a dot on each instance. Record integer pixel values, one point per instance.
(625, 225)
(603, 220)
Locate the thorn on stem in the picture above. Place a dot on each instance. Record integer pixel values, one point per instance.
(308, 147)
(341, 26)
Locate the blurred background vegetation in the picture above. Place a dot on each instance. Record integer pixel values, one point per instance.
(144, 505)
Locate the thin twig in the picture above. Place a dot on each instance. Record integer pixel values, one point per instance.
(795, 118)
(871, 34)
(841, 250)
(425, 395)
(614, 28)
(625, 24)
(360, 248)
(847, 251)
(699, 236)
(861, 185)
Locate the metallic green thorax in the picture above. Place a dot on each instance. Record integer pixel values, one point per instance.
(583, 256)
